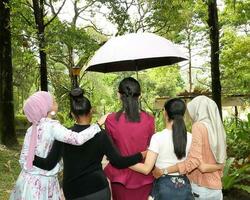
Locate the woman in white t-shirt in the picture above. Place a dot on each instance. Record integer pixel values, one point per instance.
(167, 148)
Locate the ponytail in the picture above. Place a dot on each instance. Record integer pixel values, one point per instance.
(175, 109)
(130, 91)
(179, 136)
(130, 107)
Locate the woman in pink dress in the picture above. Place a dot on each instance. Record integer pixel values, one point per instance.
(131, 130)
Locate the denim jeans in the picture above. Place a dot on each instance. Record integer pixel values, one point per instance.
(172, 188)
(203, 193)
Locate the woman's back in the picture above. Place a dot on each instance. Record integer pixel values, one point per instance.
(162, 144)
(83, 174)
(201, 146)
(129, 137)
(45, 140)
(82, 166)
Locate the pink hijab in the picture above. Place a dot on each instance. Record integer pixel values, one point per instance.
(36, 107)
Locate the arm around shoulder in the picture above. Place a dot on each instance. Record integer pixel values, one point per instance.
(208, 168)
(65, 135)
(114, 155)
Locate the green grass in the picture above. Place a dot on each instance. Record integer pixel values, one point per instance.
(9, 169)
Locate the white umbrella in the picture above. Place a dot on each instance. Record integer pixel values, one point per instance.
(134, 52)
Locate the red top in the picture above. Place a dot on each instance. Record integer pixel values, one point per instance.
(129, 138)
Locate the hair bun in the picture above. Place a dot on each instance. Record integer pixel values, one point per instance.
(76, 93)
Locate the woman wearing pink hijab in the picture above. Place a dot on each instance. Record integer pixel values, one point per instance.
(34, 183)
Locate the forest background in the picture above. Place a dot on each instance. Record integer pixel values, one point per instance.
(49, 38)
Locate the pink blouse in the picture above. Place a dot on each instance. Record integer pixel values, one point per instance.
(200, 152)
(129, 138)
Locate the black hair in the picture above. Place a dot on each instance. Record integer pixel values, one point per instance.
(130, 90)
(175, 109)
(79, 104)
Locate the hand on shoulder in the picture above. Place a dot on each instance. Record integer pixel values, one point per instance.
(102, 120)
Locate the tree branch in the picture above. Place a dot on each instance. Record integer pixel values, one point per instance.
(94, 26)
(28, 21)
(59, 60)
(55, 14)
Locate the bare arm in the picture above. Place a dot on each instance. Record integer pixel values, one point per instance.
(204, 168)
(147, 166)
(157, 172)
(194, 158)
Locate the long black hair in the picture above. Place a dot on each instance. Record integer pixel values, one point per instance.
(79, 104)
(130, 90)
(175, 109)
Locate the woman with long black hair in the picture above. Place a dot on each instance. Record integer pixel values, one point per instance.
(83, 177)
(208, 146)
(131, 130)
(167, 148)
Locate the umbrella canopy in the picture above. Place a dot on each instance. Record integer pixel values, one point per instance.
(134, 52)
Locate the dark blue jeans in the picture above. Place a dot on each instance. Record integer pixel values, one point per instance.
(172, 188)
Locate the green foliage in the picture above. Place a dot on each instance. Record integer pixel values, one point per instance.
(243, 187)
(235, 62)
(163, 81)
(25, 64)
(234, 177)
(21, 121)
(119, 15)
(69, 45)
(62, 38)
(65, 119)
(22, 124)
(238, 138)
(169, 18)
(237, 167)
(9, 168)
(236, 13)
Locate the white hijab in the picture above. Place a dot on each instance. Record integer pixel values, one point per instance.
(204, 110)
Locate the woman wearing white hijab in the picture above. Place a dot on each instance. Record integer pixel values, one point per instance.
(208, 146)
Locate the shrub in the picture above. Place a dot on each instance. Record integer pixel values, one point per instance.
(21, 124)
(237, 168)
(65, 119)
(236, 176)
(238, 138)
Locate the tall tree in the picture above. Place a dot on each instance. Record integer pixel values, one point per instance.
(7, 125)
(38, 7)
(214, 42)
(76, 44)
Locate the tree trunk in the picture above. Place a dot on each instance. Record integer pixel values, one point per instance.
(43, 70)
(38, 7)
(214, 42)
(7, 122)
(189, 60)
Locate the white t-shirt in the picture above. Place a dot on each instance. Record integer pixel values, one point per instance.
(162, 144)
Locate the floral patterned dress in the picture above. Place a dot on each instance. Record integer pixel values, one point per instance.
(38, 184)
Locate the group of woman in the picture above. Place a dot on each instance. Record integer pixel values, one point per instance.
(185, 166)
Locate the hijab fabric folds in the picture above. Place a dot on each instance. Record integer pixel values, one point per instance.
(203, 109)
(35, 108)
